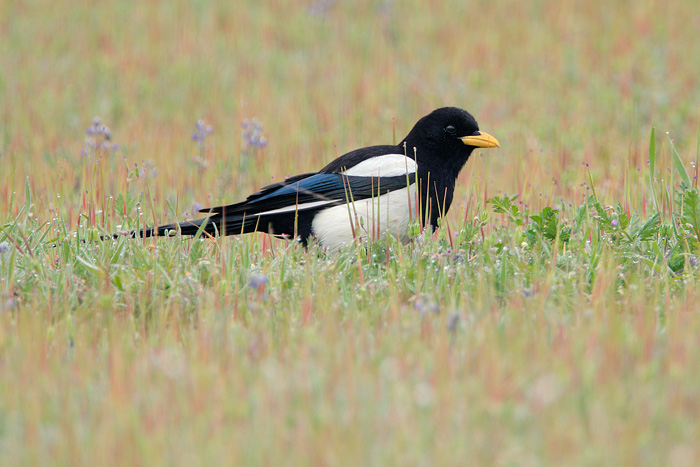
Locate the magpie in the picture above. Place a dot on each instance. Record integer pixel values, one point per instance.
(364, 193)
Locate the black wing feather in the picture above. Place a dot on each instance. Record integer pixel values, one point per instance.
(263, 191)
(344, 162)
(334, 187)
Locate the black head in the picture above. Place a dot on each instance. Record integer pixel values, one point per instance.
(447, 137)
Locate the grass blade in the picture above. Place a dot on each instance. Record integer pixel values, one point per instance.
(680, 168)
(652, 166)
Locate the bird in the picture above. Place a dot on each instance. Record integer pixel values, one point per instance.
(362, 194)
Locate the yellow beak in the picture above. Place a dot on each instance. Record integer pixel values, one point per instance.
(481, 140)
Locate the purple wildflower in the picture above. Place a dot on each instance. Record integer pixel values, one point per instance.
(196, 208)
(452, 322)
(4, 246)
(252, 134)
(258, 280)
(386, 7)
(202, 130)
(320, 7)
(8, 304)
(95, 128)
(98, 137)
(423, 308)
(148, 170)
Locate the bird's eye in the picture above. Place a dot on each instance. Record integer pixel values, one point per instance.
(450, 129)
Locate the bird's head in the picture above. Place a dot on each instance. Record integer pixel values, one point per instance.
(447, 136)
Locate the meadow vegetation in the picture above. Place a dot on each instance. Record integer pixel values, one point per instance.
(552, 319)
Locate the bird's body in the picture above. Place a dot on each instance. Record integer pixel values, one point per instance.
(364, 193)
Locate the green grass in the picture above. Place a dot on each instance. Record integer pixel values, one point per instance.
(552, 320)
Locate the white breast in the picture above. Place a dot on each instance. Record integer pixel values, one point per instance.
(370, 218)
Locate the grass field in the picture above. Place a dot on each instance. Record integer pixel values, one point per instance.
(554, 319)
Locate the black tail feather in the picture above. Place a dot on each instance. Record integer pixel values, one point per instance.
(210, 226)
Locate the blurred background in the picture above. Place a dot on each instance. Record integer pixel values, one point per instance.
(560, 84)
(500, 351)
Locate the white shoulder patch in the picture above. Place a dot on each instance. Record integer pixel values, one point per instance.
(387, 165)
